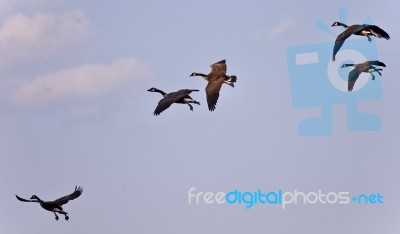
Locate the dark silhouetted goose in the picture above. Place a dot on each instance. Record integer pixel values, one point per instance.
(360, 30)
(55, 206)
(368, 67)
(181, 96)
(215, 79)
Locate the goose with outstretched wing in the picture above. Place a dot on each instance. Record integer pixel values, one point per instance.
(215, 79)
(367, 67)
(180, 96)
(56, 205)
(366, 30)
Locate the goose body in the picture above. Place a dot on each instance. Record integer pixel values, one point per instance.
(181, 97)
(356, 29)
(368, 67)
(56, 205)
(215, 79)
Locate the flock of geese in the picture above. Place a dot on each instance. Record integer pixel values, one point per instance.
(367, 66)
(216, 78)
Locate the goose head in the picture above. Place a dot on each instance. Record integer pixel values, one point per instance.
(34, 197)
(153, 90)
(339, 24)
(335, 24)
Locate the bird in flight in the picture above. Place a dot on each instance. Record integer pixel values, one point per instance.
(215, 79)
(56, 205)
(181, 97)
(368, 67)
(356, 29)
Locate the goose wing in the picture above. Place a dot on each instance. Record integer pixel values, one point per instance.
(64, 200)
(339, 42)
(212, 91)
(218, 68)
(380, 32)
(170, 99)
(187, 91)
(342, 37)
(376, 63)
(24, 200)
(358, 28)
(353, 76)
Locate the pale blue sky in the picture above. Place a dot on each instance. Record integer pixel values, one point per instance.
(74, 110)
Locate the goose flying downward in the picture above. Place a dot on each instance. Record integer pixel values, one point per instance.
(181, 97)
(367, 67)
(55, 206)
(356, 29)
(215, 79)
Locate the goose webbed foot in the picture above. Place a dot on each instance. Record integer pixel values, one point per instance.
(369, 39)
(56, 216)
(191, 107)
(66, 217)
(373, 77)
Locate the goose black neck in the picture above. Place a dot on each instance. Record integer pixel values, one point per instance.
(160, 91)
(37, 199)
(348, 65)
(343, 25)
(200, 74)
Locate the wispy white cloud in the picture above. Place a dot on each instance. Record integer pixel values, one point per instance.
(32, 34)
(11, 7)
(24, 37)
(15, 4)
(32, 2)
(90, 81)
(282, 27)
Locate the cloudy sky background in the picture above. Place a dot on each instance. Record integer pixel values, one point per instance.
(75, 111)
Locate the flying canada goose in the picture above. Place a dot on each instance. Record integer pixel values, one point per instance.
(55, 206)
(356, 29)
(368, 67)
(215, 79)
(181, 97)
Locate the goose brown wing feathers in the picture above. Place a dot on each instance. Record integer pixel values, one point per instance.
(64, 200)
(380, 32)
(353, 76)
(218, 68)
(212, 91)
(170, 99)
